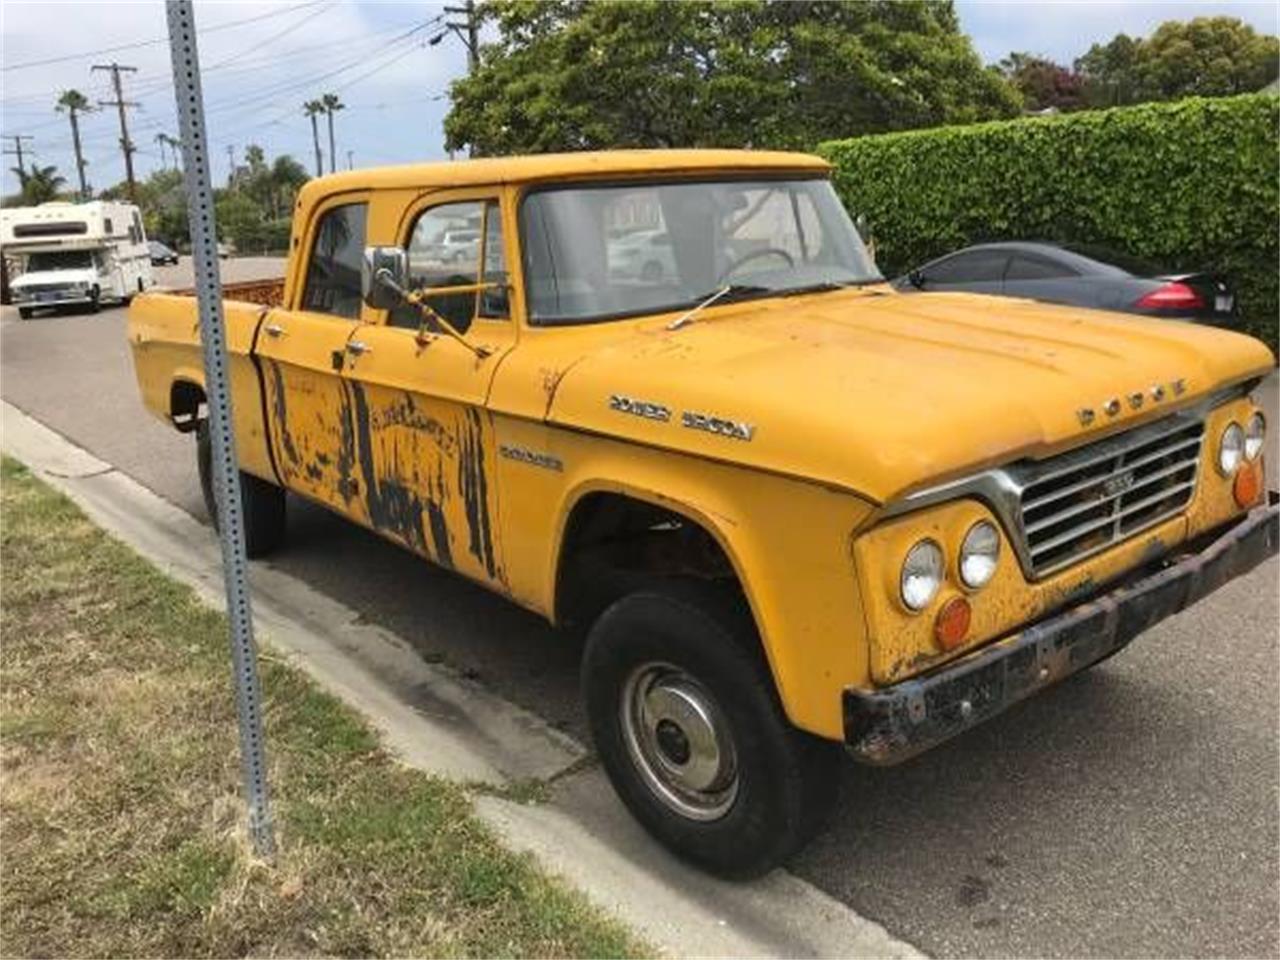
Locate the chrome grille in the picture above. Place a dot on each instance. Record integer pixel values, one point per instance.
(1081, 502)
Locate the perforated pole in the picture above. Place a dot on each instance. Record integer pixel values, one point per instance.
(226, 475)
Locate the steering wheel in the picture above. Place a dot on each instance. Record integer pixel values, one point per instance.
(754, 255)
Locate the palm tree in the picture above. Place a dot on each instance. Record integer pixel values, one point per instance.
(313, 109)
(331, 105)
(40, 185)
(74, 102)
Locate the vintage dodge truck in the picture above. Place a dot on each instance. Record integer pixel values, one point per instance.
(666, 397)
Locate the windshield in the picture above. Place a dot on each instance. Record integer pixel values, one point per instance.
(59, 260)
(597, 253)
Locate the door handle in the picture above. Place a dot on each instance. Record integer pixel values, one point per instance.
(274, 330)
(358, 348)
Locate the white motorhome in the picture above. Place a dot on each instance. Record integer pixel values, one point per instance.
(62, 254)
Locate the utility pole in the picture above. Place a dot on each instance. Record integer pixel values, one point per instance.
(120, 103)
(350, 165)
(231, 165)
(468, 31)
(16, 150)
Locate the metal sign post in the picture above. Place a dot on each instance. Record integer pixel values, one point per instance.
(226, 474)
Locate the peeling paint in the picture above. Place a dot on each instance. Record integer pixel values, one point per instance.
(474, 485)
(280, 408)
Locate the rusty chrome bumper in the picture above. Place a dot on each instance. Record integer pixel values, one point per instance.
(887, 726)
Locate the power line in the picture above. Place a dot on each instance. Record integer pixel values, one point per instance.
(155, 40)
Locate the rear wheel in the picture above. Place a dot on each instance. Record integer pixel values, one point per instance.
(262, 503)
(25, 312)
(690, 731)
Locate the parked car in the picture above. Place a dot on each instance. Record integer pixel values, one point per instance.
(791, 509)
(161, 254)
(224, 251)
(642, 255)
(1076, 274)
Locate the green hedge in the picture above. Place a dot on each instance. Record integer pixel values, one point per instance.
(1191, 184)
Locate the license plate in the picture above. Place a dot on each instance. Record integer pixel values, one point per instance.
(1223, 303)
(46, 296)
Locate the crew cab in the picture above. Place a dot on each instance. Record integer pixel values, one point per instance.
(792, 508)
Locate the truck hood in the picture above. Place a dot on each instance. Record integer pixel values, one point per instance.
(882, 393)
(42, 277)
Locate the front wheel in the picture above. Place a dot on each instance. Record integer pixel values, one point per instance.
(262, 503)
(26, 313)
(690, 731)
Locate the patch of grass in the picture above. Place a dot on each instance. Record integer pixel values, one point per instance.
(120, 818)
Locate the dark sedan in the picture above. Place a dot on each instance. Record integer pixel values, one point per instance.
(161, 254)
(1078, 275)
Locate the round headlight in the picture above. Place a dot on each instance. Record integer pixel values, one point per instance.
(1231, 449)
(1254, 433)
(921, 574)
(979, 554)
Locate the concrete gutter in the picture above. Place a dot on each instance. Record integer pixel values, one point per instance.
(444, 724)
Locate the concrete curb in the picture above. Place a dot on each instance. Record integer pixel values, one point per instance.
(439, 722)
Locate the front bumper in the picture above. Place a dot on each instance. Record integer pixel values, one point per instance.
(887, 726)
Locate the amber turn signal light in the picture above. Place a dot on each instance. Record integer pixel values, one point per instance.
(952, 625)
(1248, 484)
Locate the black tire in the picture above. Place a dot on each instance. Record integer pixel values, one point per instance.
(25, 312)
(262, 503)
(785, 780)
(94, 297)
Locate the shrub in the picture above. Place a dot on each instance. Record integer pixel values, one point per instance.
(1191, 185)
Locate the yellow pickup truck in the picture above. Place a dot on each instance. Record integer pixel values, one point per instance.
(666, 397)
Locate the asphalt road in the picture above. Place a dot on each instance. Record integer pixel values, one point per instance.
(1131, 811)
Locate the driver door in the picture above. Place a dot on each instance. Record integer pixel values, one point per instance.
(424, 438)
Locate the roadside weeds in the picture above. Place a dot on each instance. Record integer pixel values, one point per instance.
(120, 819)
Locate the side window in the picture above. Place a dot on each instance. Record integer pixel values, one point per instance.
(106, 227)
(976, 267)
(1036, 268)
(140, 234)
(444, 250)
(333, 273)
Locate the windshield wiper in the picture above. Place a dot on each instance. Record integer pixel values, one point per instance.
(730, 291)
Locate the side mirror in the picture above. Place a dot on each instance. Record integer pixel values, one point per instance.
(384, 275)
(860, 224)
(916, 279)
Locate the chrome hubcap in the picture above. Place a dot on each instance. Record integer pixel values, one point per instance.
(679, 740)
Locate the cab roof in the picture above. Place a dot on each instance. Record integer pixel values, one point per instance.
(551, 167)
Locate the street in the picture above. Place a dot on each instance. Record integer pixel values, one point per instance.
(1132, 810)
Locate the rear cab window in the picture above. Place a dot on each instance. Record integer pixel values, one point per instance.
(333, 267)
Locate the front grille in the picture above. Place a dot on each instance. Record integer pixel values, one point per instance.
(1081, 502)
(49, 288)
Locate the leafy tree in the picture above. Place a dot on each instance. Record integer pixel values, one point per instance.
(572, 75)
(1207, 56)
(39, 184)
(1042, 83)
(287, 178)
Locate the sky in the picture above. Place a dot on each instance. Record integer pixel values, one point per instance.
(261, 60)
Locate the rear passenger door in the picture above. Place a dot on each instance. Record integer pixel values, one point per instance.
(301, 350)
